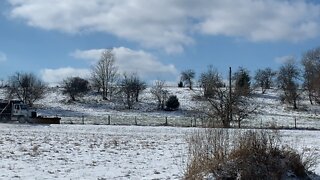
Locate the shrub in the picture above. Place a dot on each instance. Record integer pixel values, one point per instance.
(75, 87)
(172, 103)
(225, 154)
(180, 84)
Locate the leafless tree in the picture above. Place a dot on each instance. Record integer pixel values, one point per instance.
(209, 81)
(287, 79)
(2, 84)
(264, 78)
(75, 87)
(26, 87)
(160, 94)
(105, 74)
(187, 77)
(223, 107)
(224, 110)
(130, 88)
(311, 73)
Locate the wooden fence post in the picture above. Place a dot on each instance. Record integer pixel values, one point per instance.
(109, 119)
(166, 123)
(82, 119)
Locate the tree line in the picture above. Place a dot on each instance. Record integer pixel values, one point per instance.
(225, 102)
(232, 102)
(105, 79)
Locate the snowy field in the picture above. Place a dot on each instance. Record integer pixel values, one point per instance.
(100, 152)
(91, 152)
(106, 152)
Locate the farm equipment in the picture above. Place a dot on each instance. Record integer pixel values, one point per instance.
(13, 110)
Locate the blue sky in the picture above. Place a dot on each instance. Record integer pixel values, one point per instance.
(157, 39)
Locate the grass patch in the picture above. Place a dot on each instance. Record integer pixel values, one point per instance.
(247, 154)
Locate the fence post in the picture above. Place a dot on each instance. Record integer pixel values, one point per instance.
(202, 121)
(82, 119)
(295, 123)
(166, 123)
(109, 119)
(135, 120)
(195, 121)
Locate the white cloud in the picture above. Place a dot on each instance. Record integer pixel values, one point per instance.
(268, 20)
(92, 55)
(56, 76)
(284, 59)
(3, 57)
(131, 61)
(153, 24)
(170, 25)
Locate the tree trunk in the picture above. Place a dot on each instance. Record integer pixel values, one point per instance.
(295, 104)
(310, 98)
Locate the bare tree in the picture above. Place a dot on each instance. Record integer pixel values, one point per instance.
(26, 87)
(209, 81)
(139, 86)
(130, 88)
(311, 66)
(288, 82)
(2, 84)
(105, 74)
(264, 78)
(187, 77)
(160, 94)
(75, 87)
(223, 106)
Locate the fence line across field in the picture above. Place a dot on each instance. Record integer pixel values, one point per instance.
(135, 120)
(194, 121)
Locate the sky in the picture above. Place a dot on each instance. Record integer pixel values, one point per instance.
(57, 39)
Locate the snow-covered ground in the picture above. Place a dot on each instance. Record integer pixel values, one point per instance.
(129, 152)
(106, 152)
(91, 109)
(91, 152)
(271, 112)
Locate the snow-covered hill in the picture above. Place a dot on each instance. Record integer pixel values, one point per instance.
(91, 109)
(89, 151)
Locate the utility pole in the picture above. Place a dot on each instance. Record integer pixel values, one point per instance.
(230, 95)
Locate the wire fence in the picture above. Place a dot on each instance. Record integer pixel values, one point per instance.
(272, 122)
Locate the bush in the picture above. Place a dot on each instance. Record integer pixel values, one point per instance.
(172, 103)
(75, 87)
(224, 154)
(180, 84)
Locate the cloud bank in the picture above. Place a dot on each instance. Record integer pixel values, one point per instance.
(131, 61)
(147, 66)
(56, 76)
(171, 25)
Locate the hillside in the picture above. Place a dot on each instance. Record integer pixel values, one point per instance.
(270, 112)
(128, 152)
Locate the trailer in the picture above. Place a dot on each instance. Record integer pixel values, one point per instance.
(15, 110)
